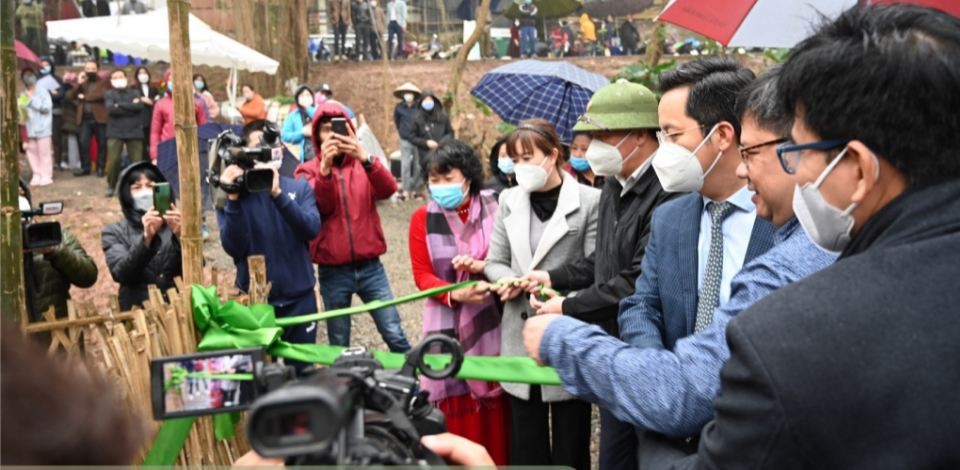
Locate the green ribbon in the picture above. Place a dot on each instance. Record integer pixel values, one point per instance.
(233, 326)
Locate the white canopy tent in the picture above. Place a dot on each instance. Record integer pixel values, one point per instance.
(148, 36)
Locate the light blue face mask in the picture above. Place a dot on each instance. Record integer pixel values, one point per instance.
(505, 165)
(198, 84)
(449, 196)
(579, 165)
(427, 105)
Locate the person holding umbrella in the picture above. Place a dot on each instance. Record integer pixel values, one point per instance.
(405, 118)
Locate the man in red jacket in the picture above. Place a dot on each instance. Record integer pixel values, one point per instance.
(348, 182)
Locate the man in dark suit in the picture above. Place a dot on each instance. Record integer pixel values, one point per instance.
(698, 241)
(857, 365)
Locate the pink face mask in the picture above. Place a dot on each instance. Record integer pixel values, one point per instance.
(320, 98)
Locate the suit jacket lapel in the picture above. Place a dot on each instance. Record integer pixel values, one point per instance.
(689, 236)
(556, 228)
(518, 227)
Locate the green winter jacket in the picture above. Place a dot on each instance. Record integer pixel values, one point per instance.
(48, 277)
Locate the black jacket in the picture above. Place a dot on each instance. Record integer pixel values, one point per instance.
(125, 121)
(405, 118)
(614, 266)
(133, 264)
(857, 366)
(629, 36)
(430, 125)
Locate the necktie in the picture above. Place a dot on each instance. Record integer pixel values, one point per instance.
(709, 297)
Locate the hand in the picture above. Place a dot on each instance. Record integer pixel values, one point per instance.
(329, 148)
(275, 190)
(468, 264)
(509, 289)
(432, 144)
(80, 96)
(136, 100)
(46, 251)
(533, 330)
(173, 218)
(349, 145)
(152, 222)
(146, 101)
(470, 295)
(553, 305)
(534, 279)
(252, 459)
(308, 130)
(458, 450)
(81, 79)
(229, 176)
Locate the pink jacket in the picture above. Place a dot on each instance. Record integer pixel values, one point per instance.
(161, 126)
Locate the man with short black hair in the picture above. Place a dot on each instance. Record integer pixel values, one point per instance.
(855, 366)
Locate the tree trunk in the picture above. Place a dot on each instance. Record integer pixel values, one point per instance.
(292, 49)
(12, 305)
(483, 11)
(186, 133)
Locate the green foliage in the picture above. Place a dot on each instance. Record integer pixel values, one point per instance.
(282, 99)
(777, 55)
(645, 75)
(481, 106)
(504, 127)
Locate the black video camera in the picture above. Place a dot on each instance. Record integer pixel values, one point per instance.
(230, 149)
(38, 235)
(352, 413)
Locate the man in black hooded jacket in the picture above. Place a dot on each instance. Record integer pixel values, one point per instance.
(431, 126)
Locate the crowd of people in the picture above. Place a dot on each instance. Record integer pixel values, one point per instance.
(746, 272)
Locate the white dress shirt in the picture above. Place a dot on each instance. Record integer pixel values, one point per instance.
(737, 229)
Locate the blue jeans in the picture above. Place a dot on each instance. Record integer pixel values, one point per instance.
(394, 30)
(368, 280)
(528, 41)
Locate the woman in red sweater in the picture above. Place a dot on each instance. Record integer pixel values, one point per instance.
(449, 238)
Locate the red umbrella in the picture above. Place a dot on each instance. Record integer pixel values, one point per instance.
(768, 23)
(24, 53)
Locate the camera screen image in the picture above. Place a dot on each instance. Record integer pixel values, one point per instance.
(211, 384)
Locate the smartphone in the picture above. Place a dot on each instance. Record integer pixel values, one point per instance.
(161, 197)
(339, 126)
(204, 383)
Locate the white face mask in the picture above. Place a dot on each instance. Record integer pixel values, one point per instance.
(119, 82)
(24, 204)
(305, 101)
(826, 225)
(678, 168)
(531, 178)
(605, 159)
(143, 78)
(408, 97)
(143, 200)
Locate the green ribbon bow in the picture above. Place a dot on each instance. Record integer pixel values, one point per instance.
(234, 326)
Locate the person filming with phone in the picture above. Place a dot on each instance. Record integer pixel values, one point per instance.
(144, 247)
(347, 183)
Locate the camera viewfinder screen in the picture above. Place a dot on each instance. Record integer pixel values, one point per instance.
(212, 383)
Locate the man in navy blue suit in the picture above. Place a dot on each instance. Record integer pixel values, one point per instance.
(698, 241)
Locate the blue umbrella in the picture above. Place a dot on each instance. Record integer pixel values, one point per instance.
(556, 91)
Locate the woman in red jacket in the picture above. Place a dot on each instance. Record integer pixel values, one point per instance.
(348, 182)
(449, 239)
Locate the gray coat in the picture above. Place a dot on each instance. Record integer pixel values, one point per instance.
(569, 235)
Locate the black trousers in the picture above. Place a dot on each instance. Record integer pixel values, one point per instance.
(339, 38)
(59, 149)
(618, 443)
(88, 127)
(531, 423)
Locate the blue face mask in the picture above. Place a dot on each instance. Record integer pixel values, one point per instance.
(170, 85)
(449, 196)
(198, 84)
(427, 105)
(580, 165)
(505, 165)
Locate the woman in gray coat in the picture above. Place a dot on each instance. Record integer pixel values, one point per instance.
(552, 221)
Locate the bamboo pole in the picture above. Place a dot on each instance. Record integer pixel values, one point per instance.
(188, 157)
(12, 305)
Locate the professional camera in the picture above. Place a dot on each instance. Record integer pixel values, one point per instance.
(38, 235)
(230, 149)
(352, 413)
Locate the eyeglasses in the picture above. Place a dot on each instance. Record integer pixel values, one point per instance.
(789, 153)
(593, 122)
(671, 136)
(745, 152)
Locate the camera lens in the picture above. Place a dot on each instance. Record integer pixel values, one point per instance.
(440, 357)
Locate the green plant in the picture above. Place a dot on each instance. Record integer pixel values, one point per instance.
(645, 75)
(777, 55)
(481, 106)
(504, 127)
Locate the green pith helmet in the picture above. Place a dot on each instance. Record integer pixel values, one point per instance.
(618, 106)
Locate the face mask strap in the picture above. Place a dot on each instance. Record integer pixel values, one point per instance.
(829, 169)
